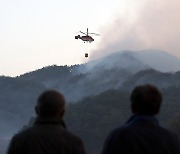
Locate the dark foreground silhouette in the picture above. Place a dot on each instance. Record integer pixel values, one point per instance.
(48, 134)
(142, 134)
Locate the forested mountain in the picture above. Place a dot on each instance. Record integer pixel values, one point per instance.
(97, 94)
(162, 80)
(17, 98)
(159, 60)
(94, 117)
(102, 74)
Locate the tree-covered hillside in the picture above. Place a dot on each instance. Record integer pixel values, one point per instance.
(94, 117)
(97, 95)
(18, 95)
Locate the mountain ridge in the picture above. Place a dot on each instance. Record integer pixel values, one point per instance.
(92, 91)
(156, 59)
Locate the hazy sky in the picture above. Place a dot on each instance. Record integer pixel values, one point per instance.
(38, 33)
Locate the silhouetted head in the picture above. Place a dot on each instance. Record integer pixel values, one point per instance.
(50, 104)
(146, 99)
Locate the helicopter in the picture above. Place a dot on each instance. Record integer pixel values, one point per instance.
(86, 37)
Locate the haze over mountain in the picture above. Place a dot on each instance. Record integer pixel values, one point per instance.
(119, 71)
(159, 60)
(102, 74)
(138, 60)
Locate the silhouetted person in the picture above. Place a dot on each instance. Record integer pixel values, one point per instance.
(48, 135)
(142, 134)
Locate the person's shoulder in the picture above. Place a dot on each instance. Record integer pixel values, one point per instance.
(68, 134)
(73, 141)
(118, 137)
(168, 133)
(120, 132)
(23, 133)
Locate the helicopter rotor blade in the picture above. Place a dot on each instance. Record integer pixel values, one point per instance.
(83, 33)
(94, 34)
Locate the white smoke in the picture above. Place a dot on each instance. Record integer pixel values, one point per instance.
(155, 25)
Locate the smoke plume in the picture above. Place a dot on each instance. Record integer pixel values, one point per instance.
(156, 25)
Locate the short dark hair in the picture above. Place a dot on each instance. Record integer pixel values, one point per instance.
(146, 99)
(50, 103)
